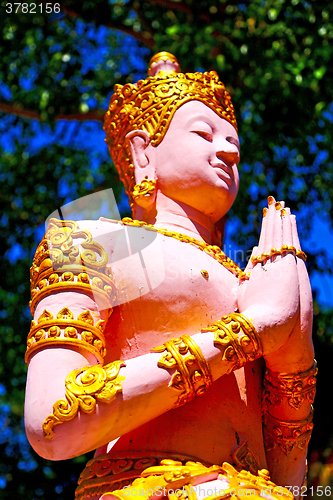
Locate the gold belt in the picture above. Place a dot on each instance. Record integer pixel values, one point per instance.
(145, 474)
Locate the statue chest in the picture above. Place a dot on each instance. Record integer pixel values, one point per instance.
(170, 287)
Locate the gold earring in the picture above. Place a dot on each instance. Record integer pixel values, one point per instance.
(143, 192)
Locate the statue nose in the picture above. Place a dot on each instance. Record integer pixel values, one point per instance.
(230, 158)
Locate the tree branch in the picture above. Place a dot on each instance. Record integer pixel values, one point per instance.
(14, 109)
(169, 4)
(148, 41)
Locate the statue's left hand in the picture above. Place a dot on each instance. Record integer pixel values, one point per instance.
(278, 297)
(297, 352)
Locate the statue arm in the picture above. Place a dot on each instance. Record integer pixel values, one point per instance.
(287, 413)
(114, 399)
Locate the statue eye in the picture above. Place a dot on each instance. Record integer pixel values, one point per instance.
(205, 135)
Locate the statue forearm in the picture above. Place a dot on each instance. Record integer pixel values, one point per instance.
(287, 408)
(119, 397)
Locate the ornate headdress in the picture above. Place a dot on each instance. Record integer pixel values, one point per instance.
(151, 103)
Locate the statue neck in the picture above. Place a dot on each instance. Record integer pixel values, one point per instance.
(177, 216)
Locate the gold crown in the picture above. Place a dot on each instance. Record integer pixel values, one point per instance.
(151, 103)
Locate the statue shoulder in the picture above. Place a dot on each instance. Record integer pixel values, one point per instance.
(74, 255)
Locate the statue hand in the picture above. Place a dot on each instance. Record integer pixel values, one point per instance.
(271, 297)
(297, 352)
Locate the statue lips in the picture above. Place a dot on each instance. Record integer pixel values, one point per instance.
(225, 172)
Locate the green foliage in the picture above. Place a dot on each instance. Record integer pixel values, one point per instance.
(274, 58)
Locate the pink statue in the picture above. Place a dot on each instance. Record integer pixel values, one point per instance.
(192, 378)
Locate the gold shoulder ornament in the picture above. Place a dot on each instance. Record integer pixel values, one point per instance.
(68, 260)
(59, 265)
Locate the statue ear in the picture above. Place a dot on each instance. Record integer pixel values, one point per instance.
(139, 142)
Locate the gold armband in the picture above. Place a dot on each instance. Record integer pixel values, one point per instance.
(65, 331)
(59, 266)
(240, 340)
(192, 376)
(287, 434)
(84, 388)
(294, 388)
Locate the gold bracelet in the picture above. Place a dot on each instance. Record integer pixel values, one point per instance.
(256, 259)
(85, 387)
(287, 434)
(239, 338)
(59, 266)
(294, 388)
(65, 331)
(193, 376)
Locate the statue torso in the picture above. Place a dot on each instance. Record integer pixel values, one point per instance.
(176, 288)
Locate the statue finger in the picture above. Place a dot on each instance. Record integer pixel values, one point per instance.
(270, 229)
(261, 244)
(287, 233)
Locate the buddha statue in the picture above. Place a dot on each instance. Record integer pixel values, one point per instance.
(190, 377)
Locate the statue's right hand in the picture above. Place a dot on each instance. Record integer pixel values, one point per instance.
(270, 298)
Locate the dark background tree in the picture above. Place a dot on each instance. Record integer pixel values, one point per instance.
(57, 72)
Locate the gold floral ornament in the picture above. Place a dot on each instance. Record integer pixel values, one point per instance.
(66, 331)
(85, 388)
(293, 388)
(238, 338)
(151, 103)
(287, 434)
(60, 265)
(143, 191)
(123, 476)
(192, 376)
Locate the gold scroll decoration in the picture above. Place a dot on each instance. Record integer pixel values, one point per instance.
(85, 388)
(60, 265)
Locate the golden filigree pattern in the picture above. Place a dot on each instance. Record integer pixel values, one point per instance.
(113, 471)
(64, 330)
(192, 376)
(238, 338)
(59, 265)
(171, 477)
(294, 388)
(150, 105)
(285, 434)
(85, 388)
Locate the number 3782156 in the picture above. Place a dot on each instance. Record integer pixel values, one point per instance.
(32, 8)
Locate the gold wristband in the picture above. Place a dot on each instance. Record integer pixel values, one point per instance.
(287, 435)
(192, 376)
(240, 340)
(65, 331)
(60, 266)
(255, 259)
(294, 388)
(85, 387)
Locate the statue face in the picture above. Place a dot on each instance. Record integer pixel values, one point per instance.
(196, 162)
